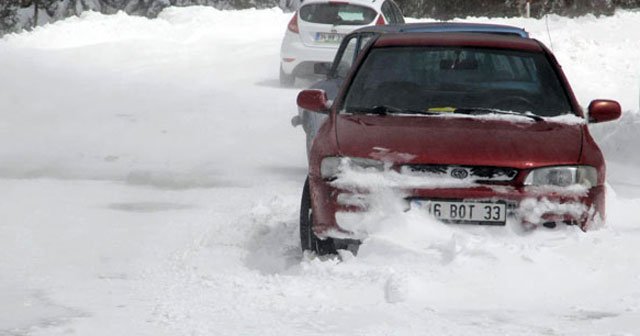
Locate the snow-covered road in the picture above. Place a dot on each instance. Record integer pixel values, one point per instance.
(150, 183)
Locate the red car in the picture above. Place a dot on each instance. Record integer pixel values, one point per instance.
(472, 128)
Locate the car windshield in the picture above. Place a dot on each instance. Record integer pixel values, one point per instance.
(337, 14)
(456, 79)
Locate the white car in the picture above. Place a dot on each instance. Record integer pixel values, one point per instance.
(317, 27)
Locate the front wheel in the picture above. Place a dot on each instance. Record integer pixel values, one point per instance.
(308, 240)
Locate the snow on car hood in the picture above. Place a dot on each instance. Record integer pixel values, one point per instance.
(518, 143)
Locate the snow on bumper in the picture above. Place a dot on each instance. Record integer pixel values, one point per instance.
(341, 210)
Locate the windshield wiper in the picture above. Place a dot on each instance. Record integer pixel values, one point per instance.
(486, 110)
(386, 109)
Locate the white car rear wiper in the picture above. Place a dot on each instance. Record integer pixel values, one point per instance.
(486, 110)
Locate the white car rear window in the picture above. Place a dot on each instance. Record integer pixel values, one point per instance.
(337, 14)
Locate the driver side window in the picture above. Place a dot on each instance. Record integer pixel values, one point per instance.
(348, 55)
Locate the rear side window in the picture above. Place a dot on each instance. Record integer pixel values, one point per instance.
(337, 14)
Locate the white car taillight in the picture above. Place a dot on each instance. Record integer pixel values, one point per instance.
(380, 21)
(293, 24)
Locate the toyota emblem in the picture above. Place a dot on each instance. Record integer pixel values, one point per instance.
(459, 173)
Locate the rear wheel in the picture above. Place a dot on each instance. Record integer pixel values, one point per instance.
(286, 80)
(308, 240)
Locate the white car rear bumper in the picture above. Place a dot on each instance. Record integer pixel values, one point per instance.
(298, 58)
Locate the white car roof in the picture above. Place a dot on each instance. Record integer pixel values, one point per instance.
(376, 4)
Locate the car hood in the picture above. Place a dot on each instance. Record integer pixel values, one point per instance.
(516, 143)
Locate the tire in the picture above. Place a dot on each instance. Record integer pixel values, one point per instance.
(308, 240)
(286, 80)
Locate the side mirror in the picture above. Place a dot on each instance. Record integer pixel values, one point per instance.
(602, 110)
(321, 68)
(313, 100)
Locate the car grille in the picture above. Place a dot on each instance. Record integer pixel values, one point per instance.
(471, 173)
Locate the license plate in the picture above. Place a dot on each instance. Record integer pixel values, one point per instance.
(465, 212)
(329, 37)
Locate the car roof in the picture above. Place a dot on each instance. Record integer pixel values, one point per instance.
(446, 27)
(458, 39)
(369, 3)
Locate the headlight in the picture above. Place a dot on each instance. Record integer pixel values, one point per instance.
(563, 176)
(332, 165)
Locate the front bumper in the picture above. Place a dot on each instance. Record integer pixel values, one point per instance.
(530, 206)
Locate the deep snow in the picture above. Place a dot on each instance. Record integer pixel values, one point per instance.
(150, 183)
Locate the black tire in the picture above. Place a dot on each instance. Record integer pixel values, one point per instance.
(308, 239)
(286, 80)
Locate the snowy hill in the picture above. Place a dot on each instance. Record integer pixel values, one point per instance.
(150, 184)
